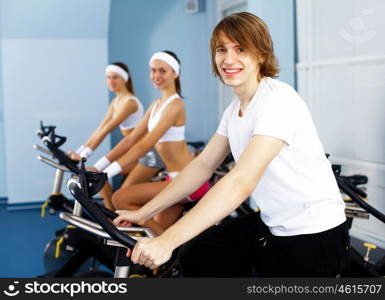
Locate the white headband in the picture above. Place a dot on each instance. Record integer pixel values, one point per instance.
(118, 70)
(167, 58)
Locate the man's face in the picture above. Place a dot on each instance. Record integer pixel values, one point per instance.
(236, 65)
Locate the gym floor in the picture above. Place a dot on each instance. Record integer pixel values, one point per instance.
(25, 235)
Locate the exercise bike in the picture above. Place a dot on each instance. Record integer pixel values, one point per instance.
(86, 244)
(87, 185)
(71, 251)
(356, 207)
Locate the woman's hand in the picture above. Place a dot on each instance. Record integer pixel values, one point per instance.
(92, 169)
(151, 252)
(73, 155)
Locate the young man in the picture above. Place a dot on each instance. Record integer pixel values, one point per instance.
(280, 162)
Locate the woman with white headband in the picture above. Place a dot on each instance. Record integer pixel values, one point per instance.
(163, 126)
(124, 111)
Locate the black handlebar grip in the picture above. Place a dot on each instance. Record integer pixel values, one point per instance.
(347, 188)
(358, 179)
(95, 212)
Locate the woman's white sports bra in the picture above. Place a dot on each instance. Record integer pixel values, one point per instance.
(133, 119)
(174, 133)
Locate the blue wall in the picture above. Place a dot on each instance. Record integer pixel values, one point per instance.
(3, 185)
(139, 28)
(52, 64)
(279, 15)
(54, 19)
(135, 29)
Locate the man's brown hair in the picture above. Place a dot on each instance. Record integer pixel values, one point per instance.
(251, 33)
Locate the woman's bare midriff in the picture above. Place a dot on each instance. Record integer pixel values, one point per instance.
(175, 155)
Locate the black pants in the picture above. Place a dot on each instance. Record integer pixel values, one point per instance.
(245, 247)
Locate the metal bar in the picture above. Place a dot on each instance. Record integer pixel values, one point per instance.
(58, 181)
(41, 149)
(121, 228)
(121, 272)
(78, 222)
(95, 228)
(78, 209)
(52, 163)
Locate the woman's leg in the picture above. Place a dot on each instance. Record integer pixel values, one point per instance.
(169, 216)
(135, 196)
(145, 169)
(136, 174)
(139, 174)
(127, 170)
(106, 194)
(106, 191)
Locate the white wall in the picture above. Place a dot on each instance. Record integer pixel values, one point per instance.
(341, 73)
(49, 91)
(52, 69)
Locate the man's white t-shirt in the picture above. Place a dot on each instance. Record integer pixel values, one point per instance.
(298, 193)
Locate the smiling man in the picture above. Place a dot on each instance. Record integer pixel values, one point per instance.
(300, 230)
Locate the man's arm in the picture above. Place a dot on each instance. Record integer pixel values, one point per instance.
(221, 200)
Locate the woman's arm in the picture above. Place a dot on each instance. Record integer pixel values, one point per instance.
(111, 121)
(109, 114)
(169, 117)
(85, 149)
(128, 141)
(222, 199)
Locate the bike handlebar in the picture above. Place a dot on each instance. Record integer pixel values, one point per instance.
(95, 212)
(346, 185)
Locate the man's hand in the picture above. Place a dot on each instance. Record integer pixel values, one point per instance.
(151, 252)
(128, 217)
